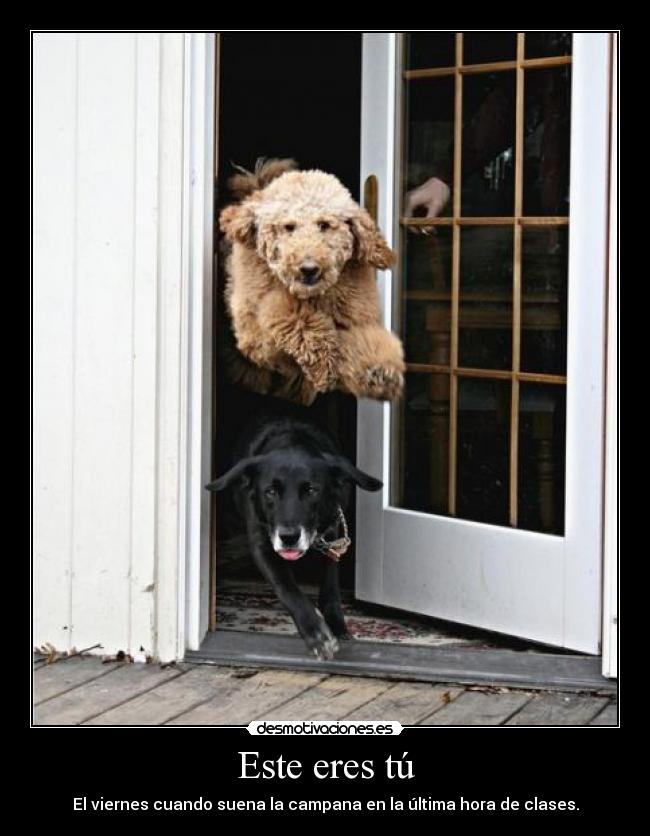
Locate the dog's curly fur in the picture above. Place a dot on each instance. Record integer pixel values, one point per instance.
(316, 336)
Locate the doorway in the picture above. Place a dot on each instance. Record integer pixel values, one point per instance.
(268, 107)
(287, 95)
(302, 95)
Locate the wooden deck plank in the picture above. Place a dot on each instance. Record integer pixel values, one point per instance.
(607, 717)
(476, 708)
(84, 691)
(250, 698)
(558, 710)
(172, 698)
(86, 701)
(51, 680)
(406, 702)
(332, 699)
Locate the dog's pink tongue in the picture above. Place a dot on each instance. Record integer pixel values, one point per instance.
(290, 554)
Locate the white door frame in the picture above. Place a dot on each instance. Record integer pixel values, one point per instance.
(196, 338)
(588, 243)
(576, 557)
(610, 557)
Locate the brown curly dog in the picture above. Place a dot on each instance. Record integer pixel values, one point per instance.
(301, 288)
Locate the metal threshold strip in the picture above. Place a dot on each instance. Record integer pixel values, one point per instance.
(520, 669)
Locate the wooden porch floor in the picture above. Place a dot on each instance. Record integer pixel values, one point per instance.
(84, 691)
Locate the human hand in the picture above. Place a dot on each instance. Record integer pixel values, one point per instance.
(433, 195)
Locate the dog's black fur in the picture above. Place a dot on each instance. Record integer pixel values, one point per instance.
(289, 480)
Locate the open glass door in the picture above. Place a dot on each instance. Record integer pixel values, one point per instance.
(490, 153)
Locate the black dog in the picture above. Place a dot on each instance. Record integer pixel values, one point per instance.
(291, 485)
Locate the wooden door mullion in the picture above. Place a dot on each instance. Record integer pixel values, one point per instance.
(455, 279)
(516, 283)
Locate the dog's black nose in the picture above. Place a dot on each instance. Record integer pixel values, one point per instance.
(290, 536)
(309, 274)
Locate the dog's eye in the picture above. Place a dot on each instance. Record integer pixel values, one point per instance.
(324, 225)
(311, 490)
(270, 492)
(289, 227)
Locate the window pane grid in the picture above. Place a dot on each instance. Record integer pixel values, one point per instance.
(453, 371)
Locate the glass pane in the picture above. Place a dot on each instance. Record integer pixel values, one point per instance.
(423, 461)
(483, 450)
(544, 273)
(429, 145)
(547, 122)
(542, 436)
(488, 158)
(430, 50)
(485, 307)
(547, 44)
(426, 307)
(423, 303)
(487, 47)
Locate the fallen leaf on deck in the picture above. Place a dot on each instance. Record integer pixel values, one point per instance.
(48, 651)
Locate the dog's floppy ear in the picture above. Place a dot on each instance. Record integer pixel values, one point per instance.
(371, 247)
(343, 469)
(244, 469)
(238, 222)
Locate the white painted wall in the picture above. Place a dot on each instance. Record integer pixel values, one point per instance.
(113, 273)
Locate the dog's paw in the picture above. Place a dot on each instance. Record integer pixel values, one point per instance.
(326, 649)
(383, 383)
(321, 641)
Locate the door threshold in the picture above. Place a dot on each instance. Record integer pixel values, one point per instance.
(512, 668)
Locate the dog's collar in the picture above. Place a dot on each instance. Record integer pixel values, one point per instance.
(334, 549)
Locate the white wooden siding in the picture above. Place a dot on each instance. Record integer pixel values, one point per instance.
(55, 76)
(109, 188)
